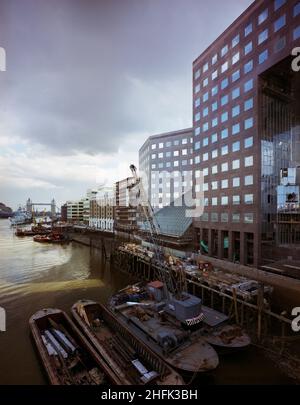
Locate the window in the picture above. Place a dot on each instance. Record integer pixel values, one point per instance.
(153, 156)
(214, 169)
(224, 83)
(263, 16)
(235, 76)
(205, 157)
(236, 146)
(248, 198)
(235, 111)
(224, 117)
(296, 33)
(197, 88)
(205, 67)
(168, 154)
(175, 163)
(214, 106)
(263, 36)
(224, 200)
(278, 24)
(235, 93)
(204, 217)
(197, 74)
(248, 142)
(214, 217)
(236, 182)
(214, 201)
(176, 153)
(278, 4)
(205, 82)
(224, 67)
(248, 123)
(224, 150)
(197, 102)
(168, 144)
(248, 48)
(263, 57)
(235, 164)
(248, 218)
(235, 129)
(224, 183)
(214, 75)
(248, 161)
(224, 167)
(248, 85)
(197, 131)
(280, 44)
(248, 180)
(248, 66)
(214, 138)
(161, 145)
(248, 104)
(153, 146)
(176, 143)
(235, 58)
(235, 41)
(248, 29)
(296, 10)
(161, 155)
(214, 122)
(205, 112)
(214, 185)
(184, 151)
(214, 90)
(224, 217)
(235, 218)
(214, 59)
(197, 159)
(224, 100)
(214, 153)
(224, 50)
(205, 186)
(205, 97)
(224, 133)
(205, 142)
(197, 117)
(236, 200)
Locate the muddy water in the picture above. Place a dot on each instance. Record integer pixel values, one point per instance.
(35, 276)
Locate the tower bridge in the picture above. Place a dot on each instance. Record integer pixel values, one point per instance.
(30, 205)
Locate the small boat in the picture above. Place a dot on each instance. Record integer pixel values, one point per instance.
(67, 356)
(51, 238)
(125, 354)
(42, 238)
(24, 232)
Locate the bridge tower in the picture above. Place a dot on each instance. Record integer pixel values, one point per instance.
(29, 206)
(53, 208)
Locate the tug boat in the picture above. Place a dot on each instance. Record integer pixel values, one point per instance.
(51, 238)
(126, 355)
(151, 317)
(67, 356)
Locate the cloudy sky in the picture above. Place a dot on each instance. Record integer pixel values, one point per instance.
(88, 81)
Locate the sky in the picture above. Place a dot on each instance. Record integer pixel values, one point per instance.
(87, 82)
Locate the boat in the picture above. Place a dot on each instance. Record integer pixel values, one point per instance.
(67, 356)
(50, 238)
(20, 217)
(24, 232)
(127, 355)
(152, 320)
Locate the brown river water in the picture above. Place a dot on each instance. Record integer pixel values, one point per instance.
(35, 276)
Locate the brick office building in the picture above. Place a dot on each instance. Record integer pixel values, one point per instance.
(246, 136)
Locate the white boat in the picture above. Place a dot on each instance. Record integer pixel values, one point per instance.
(21, 217)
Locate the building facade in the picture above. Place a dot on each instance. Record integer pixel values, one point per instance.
(102, 210)
(246, 136)
(166, 163)
(125, 206)
(75, 211)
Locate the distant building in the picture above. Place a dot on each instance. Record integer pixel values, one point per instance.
(102, 209)
(75, 210)
(64, 213)
(167, 158)
(125, 210)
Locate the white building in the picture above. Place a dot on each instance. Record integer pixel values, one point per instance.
(102, 210)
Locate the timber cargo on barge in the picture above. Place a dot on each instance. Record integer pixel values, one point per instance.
(126, 355)
(67, 356)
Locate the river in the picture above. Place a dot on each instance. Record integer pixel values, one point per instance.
(35, 276)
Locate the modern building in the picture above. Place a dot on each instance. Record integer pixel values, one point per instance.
(75, 211)
(102, 210)
(64, 213)
(246, 130)
(166, 163)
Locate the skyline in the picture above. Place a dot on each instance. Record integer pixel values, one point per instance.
(70, 118)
